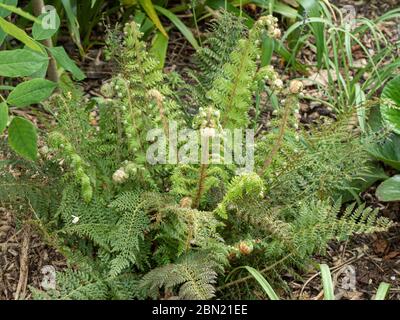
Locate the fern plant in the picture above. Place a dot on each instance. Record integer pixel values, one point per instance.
(133, 229)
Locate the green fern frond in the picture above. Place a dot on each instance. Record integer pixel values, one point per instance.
(130, 230)
(194, 275)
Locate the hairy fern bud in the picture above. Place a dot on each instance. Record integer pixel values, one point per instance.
(295, 87)
(120, 176)
(246, 247)
(77, 165)
(129, 170)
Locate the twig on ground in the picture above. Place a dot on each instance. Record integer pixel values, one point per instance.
(229, 284)
(23, 264)
(332, 270)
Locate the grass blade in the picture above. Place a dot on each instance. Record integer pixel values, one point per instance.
(312, 8)
(73, 23)
(20, 12)
(382, 292)
(159, 48)
(19, 34)
(327, 282)
(180, 25)
(148, 6)
(263, 283)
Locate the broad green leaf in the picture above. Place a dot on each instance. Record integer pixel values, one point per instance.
(20, 62)
(327, 282)
(388, 152)
(149, 8)
(143, 21)
(159, 48)
(263, 283)
(31, 92)
(3, 116)
(391, 113)
(382, 292)
(50, 22)
(389, 190)
(19, 34)
(180, 25)
(41, 73)
(4, 12)
(22, 137)
(66, 62)
(19, 11)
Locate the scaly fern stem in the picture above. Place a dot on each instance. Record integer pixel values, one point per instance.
(163, 117)
(203, 167)
(132, 114)
(282, 129)
(200, 186)
(119, 134)
(190, 232)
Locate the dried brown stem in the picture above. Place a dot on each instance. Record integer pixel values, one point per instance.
(23, 264)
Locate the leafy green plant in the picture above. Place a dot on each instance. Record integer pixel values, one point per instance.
(390, 106)
(32, 62)
(388, 150)
(131, 228)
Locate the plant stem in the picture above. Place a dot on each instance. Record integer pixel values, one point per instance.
(200, 186)
(282, 129)
(241, 280)
(52, 74)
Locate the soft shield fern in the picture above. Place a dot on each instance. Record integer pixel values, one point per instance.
(233, 88)
(130, 228)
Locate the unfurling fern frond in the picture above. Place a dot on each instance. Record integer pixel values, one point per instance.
(244, 187)
(225, 33)
(195, 181)
(141, 94)
(233, 88)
